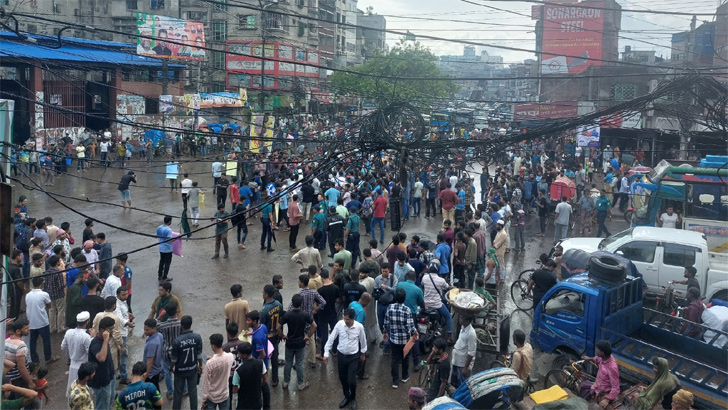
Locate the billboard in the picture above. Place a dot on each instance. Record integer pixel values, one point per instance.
(588, 136)
(545, 111)
(572, 35)
(158, 31)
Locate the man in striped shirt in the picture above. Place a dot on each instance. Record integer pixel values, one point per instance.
(170, 328)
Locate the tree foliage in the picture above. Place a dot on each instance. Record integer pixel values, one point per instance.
(405, 59)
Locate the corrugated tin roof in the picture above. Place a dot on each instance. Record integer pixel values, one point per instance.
(102, 52)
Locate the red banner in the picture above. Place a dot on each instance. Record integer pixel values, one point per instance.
(572, 37)
(545, 111)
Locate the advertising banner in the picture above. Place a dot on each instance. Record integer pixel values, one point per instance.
(155, 32)
(588, 136)
(256, 131)
(623, 119)
(572, 35)
(545, 111)
(165, 104)
(213, 100)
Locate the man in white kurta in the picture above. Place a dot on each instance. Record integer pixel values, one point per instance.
(75, 344)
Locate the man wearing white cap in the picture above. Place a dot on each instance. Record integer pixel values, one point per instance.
(75, 344)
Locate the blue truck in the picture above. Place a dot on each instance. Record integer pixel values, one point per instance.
(577, 312)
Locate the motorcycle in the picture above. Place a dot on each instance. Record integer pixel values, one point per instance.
(628, 215)
(430, 326)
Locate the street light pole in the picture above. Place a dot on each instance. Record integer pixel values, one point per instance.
(262, 51)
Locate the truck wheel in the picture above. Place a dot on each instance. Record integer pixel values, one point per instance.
(563, 361)
(607, 268)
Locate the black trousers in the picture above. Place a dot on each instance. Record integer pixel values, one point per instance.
(165, 260)
(292, 236)
(430, 204)
(398, 359)
(348, 368)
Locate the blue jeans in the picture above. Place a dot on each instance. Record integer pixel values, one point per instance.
(405, 208)
(416, 206)
(380, 222)
(291, 355)
(448, 318)
(225, 405)
(80, 164)
(167, 377)
(45, 333)
(123, 374)
(105, 396)
(242, 227)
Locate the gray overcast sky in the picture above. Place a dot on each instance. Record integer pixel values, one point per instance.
(509, 29)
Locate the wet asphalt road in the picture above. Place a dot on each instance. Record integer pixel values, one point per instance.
(203, 284)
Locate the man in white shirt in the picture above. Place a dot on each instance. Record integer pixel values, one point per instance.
(37, 304)
(217, 169)
(668, 219)
(453, 183)
(434, 286)
(186, 185)
(463, 353)
(352, 350)
(104, 146)
(113, 282)
(75, 343)
(126, 321)
(561, 221)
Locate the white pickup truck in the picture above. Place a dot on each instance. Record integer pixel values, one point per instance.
(661, 255)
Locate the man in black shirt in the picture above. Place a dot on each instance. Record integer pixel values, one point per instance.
(690, 280)
(440, 357)
(297, 320)
(326, 317)
(17, 289)
(541, 281)
(92, 302)
(251, 375)
(99, 353)
(278, 285)
(334, 229)
(124, 187)
(353, 290)
(222, 188)
(308, 196)
(186, 358)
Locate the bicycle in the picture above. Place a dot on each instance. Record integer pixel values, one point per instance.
(519, 290)
(427, 374)
(568, 378)
(532, 381)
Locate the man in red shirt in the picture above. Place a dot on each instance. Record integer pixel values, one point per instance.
(380, 209)
(448, 198)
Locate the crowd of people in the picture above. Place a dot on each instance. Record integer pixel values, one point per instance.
(354, 294)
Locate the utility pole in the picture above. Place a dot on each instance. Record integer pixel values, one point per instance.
(684, 124)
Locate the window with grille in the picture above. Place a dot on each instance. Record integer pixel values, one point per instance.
(221, 5)
(197, 15)
(301, 29)
(218, 87)
(276, 21)
(218, 59)
(246, 22)
(219, 30)
(131, 4)
(621, 92)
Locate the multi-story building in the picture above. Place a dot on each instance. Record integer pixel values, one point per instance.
(470, 64)
(371, 33)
